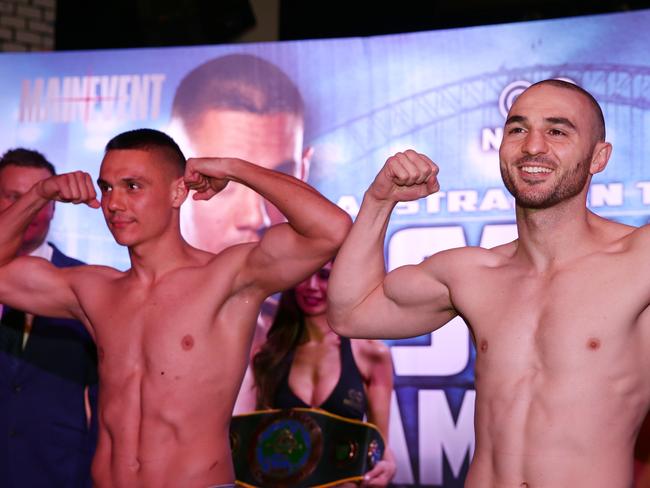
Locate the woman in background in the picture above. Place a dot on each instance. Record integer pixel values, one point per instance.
(305, 364)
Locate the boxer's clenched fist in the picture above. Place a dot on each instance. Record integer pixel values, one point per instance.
(76, 187)
(406, 176)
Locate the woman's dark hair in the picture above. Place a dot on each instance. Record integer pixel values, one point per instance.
(269, 365)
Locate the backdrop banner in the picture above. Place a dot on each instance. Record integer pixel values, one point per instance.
(443, 93)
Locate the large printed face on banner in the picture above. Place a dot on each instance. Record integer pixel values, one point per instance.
(239, 214)
(242, 106)
(444, 93)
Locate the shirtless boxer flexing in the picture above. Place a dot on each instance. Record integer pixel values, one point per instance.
(559, 317)
(173, 332)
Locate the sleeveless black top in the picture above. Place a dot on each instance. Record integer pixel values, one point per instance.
(348, 399)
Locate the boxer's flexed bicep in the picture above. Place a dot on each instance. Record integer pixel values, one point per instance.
(287, 252)
(33, 284)
(409, 301)
(37, 286)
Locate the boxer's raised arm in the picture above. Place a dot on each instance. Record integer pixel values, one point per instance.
(289, 252)
(364, 301)
(33, 284)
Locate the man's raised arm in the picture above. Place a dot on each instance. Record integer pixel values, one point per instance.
(364, 301)
(288, 252)
(33, 284)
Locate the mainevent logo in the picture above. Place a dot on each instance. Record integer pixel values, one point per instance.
(91, 98)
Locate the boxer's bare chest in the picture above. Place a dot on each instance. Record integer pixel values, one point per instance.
(172, 321)
(587, 309)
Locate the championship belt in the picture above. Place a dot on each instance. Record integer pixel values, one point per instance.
(302, 447)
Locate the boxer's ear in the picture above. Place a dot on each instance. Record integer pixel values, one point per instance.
(600, 157)
(179, 192)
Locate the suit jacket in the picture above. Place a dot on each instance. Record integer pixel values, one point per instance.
(44, 437)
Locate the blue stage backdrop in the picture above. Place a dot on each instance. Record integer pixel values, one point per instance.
(444, 93)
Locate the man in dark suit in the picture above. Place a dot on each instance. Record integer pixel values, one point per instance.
(48, 367)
